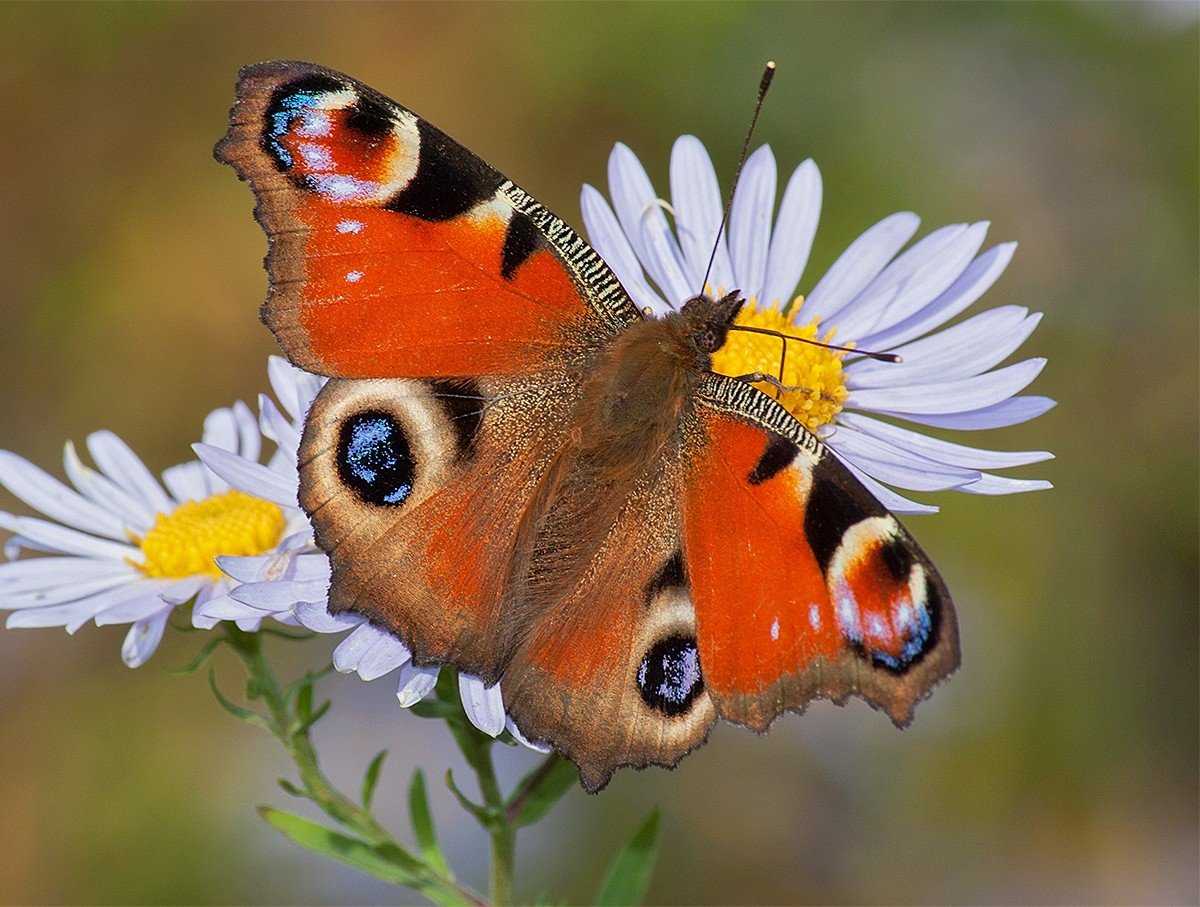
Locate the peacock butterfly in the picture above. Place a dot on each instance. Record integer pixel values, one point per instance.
(517, 472)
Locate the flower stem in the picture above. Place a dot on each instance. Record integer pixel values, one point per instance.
(290, 725)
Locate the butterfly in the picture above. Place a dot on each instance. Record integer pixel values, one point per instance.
(518, 473)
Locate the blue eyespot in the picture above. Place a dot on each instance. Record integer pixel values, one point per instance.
(669, 677)
(374, 458)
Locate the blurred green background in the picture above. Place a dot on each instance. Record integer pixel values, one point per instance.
(1058, 765)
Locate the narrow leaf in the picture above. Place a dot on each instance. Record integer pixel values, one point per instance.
(540, 790)
(390, 864)
(300, 727)
(422, 822)
(371, 778)
(629, 873)
(246, 715)
(202, 656)
(290, 788)
(479, 812)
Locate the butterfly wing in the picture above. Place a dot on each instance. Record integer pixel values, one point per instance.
(609, 673)
(394, 251)
(415, 489)
(804, 585)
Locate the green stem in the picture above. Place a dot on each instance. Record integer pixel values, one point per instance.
(503, 835)
(295, 738)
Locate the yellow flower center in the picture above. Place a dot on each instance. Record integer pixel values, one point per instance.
(814, 371)
(187, 541)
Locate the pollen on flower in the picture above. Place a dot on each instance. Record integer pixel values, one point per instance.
(188, 541)
(815, 371)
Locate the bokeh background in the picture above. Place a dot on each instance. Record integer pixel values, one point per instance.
(1059, 765)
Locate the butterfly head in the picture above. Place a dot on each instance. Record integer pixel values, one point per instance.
(708, 319)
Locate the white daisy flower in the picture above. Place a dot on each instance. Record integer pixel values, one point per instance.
(291, 583)
(874, 297)
(120, 548)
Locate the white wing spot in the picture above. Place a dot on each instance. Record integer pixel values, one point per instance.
(354, 276)
(775, 629)
(814, 617)
(349, 226)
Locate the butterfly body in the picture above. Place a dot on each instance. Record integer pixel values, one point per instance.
(517, 473)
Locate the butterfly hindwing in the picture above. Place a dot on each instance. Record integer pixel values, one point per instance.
(415, 489)
(804, 585)
(394, 251)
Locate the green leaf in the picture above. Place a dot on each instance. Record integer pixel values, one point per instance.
(247, 715)
(629, 873)
(371, 778)
(422, 822)
(435, 708)
(391, 864)
(202, 656)
(540, 790)
(479, 812)
(299, 727)
(290, 788)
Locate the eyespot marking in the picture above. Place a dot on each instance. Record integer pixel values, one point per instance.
(291, 102)
(374, 459)
(669, 677)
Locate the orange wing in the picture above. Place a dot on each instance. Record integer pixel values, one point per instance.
(804, 586)
(394, 251)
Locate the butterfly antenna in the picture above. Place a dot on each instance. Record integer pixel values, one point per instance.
(763, 85)
(878, 357)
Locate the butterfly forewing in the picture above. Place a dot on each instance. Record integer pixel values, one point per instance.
(394, 251)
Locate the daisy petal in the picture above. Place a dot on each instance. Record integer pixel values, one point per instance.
(894, 502)
(282, 376)
(511, 727)
(276, 427)
(942, 451)
(207, 615)
(351, 649)
(132, 610)
(696, 197)
(484, 705)
(895, 466)
(279, 595)
(1010, 412)
(950, 396)
(143, 639)
(795, 228)
(68, 590)
(645, 225)
(46, 494)
(415, 684)
(387, 654)
(220, 431)
(67, 541)
(610, 242)
(965, 350)
(315, 616)
(105, 492)
(990, 484)
(186, 482)
(249, 437)
(49, 572)
(117, 461)
(858, 266)
(971, 284)
(252, 478)
(918, 276)
(750, 223)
